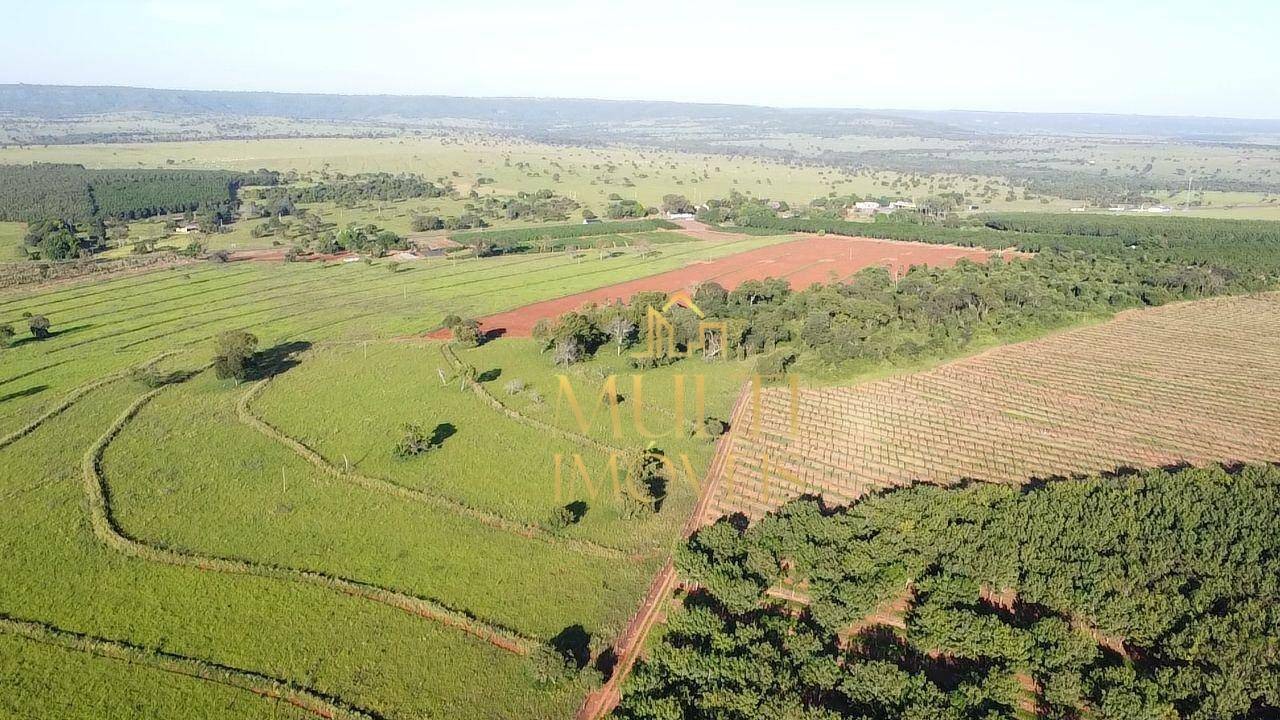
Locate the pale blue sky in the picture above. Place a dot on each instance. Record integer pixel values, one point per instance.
(1173, 57)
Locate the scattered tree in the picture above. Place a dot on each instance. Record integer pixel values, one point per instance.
(39, 326)
(234, 353)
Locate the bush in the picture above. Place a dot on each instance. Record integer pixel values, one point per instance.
(776, 362)
(414, 442)
(219, 256)
(39, 326)
(515, 387)
(714, 427)
(6, 334)
(561, 518)
(467, 333)
(550, 666)
(643, 484)
(147, 376)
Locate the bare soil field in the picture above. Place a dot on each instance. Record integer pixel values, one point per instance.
(1193, 383)
(804, 261)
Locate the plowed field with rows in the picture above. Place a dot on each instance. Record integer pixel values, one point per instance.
(1191, 383)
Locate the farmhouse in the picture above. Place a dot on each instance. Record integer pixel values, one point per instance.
(679, 216)
(186, 229)
(867, 207)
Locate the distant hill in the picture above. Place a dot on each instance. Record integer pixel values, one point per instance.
(545, 114)
(61, 101)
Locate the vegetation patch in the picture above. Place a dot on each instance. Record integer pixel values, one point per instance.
(1147, 595)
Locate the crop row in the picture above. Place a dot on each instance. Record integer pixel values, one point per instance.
(1163, 387)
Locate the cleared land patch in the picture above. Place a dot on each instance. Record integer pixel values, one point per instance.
(1153, 388)
(802, 262)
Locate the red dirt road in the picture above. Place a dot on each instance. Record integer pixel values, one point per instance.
(808, 259)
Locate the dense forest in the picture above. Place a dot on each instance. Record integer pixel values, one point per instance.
(72, 193)
(1248, 246)
(1149, 595)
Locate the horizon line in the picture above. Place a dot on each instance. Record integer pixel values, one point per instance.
(783, 108)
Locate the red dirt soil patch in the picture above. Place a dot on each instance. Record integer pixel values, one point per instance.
(804, 261)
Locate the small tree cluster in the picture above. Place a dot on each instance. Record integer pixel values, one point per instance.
(39, 326)
(466, 332)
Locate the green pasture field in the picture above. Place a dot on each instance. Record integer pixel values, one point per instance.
(187, 473)
(10, 240)
(69, 684)
(496, 463)
(589, 175)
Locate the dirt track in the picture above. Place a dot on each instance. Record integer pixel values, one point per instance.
(806, 260)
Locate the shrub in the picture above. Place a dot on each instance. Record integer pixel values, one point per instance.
(561, 518)
(467, 333)
(568, 351)
(6, 333)
(775, 363)
(515, 387)
(219, 256)
(550, 666)
(714, 427)
(147, 376)
(643, 484)
(414, 442)
(39, 326)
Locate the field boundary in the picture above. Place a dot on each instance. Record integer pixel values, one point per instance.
(73, 397)
(303, 698)
(104, 527)
(532, 532)
(466, 371)
(630, 643)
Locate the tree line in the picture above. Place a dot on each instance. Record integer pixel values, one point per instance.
(348, 192)
(74, 194)
(549, 237)
(872, 317)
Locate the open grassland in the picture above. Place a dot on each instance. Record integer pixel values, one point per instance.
(11, 239)
(264, 530)
(494, 463)
(589, 175)
(67, 683)
(260, 501)
(102, 328)
(1083, 401)
(296, 632)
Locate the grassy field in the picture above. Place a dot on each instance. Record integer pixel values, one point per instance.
(189, 472)
(10, 239)
(589, 175)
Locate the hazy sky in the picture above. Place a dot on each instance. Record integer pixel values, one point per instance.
(1172, 57)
